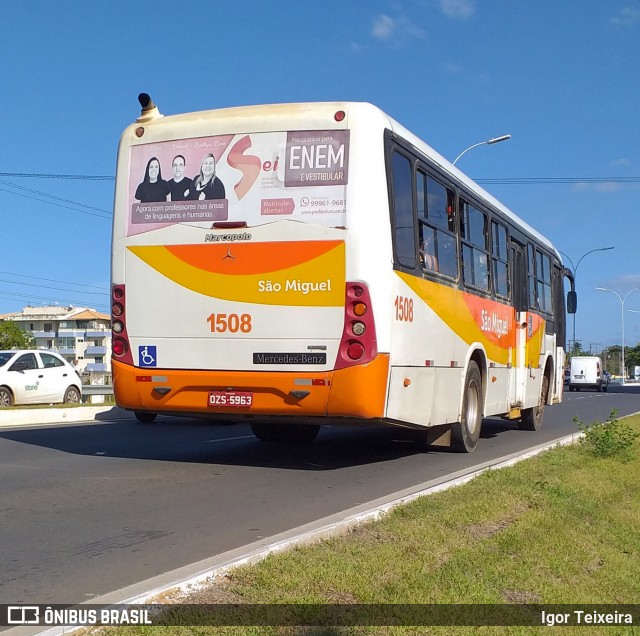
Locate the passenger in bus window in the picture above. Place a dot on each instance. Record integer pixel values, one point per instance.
(482, 271)
(428, 251)
(153, 186)
(180, 186)
(206, 185)
(447, 257)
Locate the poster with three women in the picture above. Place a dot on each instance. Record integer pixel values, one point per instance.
(252, 178)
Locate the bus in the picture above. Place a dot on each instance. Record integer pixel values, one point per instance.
(294, 265)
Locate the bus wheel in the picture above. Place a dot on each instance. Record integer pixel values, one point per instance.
(144, 417)
(532, 418)
(465, 434)
(265, 432)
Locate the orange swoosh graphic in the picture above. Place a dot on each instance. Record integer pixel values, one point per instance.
(317, 281)
(250, 258)
(463, 312)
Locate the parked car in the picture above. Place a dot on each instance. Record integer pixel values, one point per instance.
(37, 376)
(567, 375)
(587, 373)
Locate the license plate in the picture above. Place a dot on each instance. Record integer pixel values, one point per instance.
(235, 399)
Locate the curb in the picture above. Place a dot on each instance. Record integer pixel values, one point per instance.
(34, 417)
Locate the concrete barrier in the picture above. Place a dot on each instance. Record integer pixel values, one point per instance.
(52, 415)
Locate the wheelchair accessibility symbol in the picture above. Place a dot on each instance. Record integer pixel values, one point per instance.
(147, 356)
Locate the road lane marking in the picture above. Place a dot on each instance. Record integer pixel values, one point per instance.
(228, 439)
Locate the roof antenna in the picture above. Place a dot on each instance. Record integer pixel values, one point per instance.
(149, 109)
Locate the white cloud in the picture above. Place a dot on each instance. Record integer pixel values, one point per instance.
(608, 186)
(623, 283)
(604, 186)
(383, 27)
(386, 28)
(627, 17)
(451, 67)
(457, 9)
(623, 163)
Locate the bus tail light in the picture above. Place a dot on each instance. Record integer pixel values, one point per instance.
(120, 348)
(358, 344)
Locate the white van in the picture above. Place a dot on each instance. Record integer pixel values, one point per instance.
(587, 373)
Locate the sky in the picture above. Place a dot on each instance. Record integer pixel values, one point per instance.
(560, 77)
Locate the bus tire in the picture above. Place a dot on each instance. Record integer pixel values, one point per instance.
(265, 431)
(465, 434)
(532, 418)
(144, 417)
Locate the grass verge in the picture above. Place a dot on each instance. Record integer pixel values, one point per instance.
(560, 528)
(109, 401)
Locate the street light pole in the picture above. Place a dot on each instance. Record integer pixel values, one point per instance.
(493, 140)
(621, 299)
(634, 311)
(575, 276)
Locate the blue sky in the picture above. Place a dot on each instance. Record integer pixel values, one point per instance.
(560, 77)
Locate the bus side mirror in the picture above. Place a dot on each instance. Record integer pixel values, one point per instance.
(572, 302)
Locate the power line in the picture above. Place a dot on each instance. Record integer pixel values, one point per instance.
(73, 291)
(48, 300)
(53, 280)
(51, 196)
(82, 177)
(537, 180)
(503, 180)
(26, 196)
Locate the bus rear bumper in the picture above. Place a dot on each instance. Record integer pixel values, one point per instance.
(354, 392)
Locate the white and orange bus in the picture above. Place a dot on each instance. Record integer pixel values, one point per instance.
(299, 264)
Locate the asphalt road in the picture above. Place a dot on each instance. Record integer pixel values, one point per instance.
(89, 508)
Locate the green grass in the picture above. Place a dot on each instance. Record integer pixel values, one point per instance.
(559, 528)
(108, 401)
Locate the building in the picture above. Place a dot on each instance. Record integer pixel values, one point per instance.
(79, 334)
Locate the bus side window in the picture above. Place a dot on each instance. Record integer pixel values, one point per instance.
(500, 258)
(448, 254)
(475, 254)
(438, 244)
(403, 222)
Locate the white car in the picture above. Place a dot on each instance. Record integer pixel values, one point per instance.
(35, 376)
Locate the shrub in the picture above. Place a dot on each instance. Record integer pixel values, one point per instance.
(612, 438)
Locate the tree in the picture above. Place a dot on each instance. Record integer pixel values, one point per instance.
(12, 337)
(575, 349)
(632, 357)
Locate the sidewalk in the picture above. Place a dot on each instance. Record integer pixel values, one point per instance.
(29, 417)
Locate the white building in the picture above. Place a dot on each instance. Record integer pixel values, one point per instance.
(79, 334)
